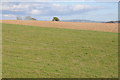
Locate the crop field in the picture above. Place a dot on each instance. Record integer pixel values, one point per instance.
(41, 52)
(104, 27)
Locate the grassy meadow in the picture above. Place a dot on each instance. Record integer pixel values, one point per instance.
(38, 52)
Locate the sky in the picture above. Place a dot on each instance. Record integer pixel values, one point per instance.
(60, 0)
(96, 11)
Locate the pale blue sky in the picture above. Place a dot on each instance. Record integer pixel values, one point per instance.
(97, 11)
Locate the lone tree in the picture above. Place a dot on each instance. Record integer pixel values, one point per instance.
(55, 19)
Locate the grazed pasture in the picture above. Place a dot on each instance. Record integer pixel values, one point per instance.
(39, 52)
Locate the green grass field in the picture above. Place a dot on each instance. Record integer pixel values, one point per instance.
(38, 52)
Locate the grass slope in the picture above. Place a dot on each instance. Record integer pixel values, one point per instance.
(37, 52)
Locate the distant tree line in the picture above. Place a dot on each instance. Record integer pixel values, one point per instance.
(31, 18)
(26, 18)
(113, 22)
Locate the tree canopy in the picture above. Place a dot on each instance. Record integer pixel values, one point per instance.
(55, 19)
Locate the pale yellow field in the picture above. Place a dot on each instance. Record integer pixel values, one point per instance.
(106, 27)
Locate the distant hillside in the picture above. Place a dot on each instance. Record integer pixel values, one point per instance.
(113, 22)
(75, 20)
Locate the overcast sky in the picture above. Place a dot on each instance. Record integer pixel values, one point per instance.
(59, 0)
(97, 11)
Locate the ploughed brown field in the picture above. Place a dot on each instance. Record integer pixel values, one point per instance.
(106, 27)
